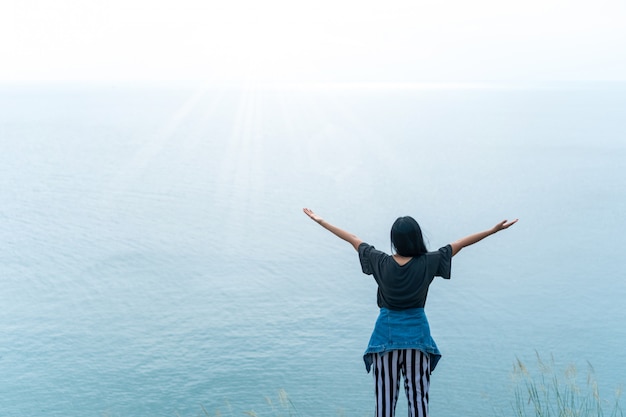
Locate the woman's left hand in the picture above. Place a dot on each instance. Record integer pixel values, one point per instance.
(312, 215)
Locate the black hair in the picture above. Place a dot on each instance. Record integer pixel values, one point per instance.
(406, 237)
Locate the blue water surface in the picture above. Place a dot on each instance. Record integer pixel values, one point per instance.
(155, 260)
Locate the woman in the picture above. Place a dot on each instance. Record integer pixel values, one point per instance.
(401, 343)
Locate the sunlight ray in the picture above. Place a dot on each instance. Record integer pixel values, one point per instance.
(241, 176)
(198, 138)
(154, 145)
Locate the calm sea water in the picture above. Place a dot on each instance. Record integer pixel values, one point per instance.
(155, 260)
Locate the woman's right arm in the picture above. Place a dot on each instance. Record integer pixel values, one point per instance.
(477, 237)
(340, 233)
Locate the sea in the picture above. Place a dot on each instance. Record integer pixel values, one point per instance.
(155, 259)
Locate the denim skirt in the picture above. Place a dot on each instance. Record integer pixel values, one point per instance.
(401, 329)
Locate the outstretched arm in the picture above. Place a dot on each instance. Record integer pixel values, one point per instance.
(340, 233)
(477, 237)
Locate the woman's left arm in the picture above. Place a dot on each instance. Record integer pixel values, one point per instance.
(340, 233)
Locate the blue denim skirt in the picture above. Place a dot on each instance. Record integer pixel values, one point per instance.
(401, 329)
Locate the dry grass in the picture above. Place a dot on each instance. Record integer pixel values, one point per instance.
(280, 407)
(550, 393)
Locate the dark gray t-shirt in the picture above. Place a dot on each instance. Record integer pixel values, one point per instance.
(406, 286)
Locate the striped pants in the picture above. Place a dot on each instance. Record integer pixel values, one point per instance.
(414, 366)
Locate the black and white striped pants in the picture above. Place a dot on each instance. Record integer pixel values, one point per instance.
(414, 366)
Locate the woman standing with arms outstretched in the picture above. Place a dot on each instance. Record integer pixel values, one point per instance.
(401, 343)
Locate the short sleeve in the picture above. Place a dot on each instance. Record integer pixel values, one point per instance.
(445, 262)
(364, 256)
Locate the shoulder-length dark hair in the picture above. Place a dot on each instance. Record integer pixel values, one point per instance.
(406, 237)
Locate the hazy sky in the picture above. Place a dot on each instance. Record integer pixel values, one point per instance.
(319, 41)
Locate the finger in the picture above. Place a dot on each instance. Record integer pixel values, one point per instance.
(507, 225)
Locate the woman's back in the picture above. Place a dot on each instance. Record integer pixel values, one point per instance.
(405, 286)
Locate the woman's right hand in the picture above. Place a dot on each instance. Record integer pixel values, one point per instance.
(504, 224)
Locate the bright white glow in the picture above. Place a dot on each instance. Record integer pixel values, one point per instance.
(322, 41)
